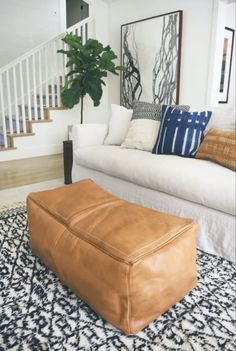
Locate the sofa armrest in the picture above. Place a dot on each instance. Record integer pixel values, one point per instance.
(88, 135)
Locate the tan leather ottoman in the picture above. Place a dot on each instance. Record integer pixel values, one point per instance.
(129, 263)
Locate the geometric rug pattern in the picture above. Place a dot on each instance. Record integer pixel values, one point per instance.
(38, 312)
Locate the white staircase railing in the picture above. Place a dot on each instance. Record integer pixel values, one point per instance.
(33, 81)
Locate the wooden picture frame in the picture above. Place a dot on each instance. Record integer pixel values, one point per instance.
(151, 55)
(226, 64)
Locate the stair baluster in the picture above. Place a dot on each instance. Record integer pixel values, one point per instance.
(16, 101)
(22, 97)
(58, 78)
(35, 89)
(9, 102)
(40, 86)
(4, 129)
(29, 114)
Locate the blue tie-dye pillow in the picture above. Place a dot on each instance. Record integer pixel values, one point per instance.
(181, 132)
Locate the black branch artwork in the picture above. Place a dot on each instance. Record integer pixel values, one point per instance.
(165, 67)
(131, 88)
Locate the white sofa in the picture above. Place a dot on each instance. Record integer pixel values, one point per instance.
(184, 187)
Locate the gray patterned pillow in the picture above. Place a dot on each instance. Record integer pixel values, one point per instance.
(147, 110)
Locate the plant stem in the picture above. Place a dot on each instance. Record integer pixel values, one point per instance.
(81, 109)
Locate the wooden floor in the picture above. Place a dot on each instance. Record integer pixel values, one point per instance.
(31, 170)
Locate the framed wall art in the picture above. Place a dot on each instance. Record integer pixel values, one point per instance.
(150, 53)
(226, 63)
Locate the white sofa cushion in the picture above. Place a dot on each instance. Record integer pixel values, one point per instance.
(118, 125)
(88, 134)
(198, 181)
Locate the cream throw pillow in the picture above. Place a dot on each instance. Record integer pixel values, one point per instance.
(223, 117)
(142, 134)
(118, 125)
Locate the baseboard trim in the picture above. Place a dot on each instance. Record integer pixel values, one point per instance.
(33, 151)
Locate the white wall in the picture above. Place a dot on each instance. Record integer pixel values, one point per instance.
(196, 35)
(24, 24)
(224, 16)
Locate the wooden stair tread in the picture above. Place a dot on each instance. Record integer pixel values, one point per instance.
(17, 135)
(56, 108)
(40, 121)
(2, 148)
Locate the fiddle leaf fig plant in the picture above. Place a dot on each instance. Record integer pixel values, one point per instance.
(88, 65)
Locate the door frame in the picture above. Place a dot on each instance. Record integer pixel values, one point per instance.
(62, 10)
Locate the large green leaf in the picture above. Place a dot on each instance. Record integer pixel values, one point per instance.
(109, 55)
(71, 96)
(73, 41)
(94, 46)
(93, 87)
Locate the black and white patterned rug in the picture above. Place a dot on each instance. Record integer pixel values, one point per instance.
(38, 312)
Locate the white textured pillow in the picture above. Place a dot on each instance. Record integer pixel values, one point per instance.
(118, 125)
(223, 117)
(142, 134)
